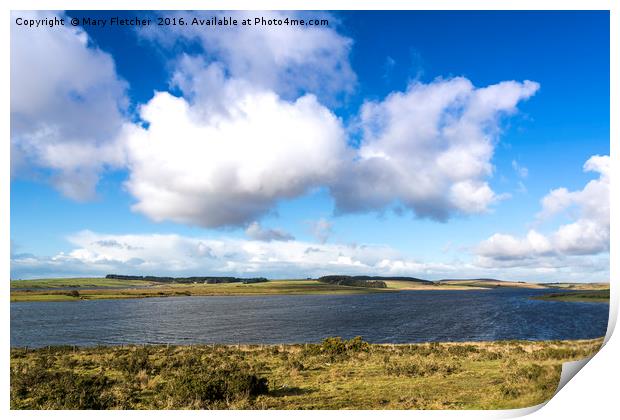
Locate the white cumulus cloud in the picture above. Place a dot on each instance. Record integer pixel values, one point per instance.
(587, 234)
(289, 60)
(66, 106)
(429, 148)
(230, 167)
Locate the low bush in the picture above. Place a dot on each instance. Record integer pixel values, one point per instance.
(35, 387)
(420, 368)
(356, 344)
(211, 387)
(334, 347)
(489, 355)
(531, 372)
(527, 377)
(134, 362)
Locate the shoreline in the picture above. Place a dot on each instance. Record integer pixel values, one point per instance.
(588, 296)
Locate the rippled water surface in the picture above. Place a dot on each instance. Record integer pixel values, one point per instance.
(404, 317)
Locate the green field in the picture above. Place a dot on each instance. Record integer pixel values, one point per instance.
(278, 287)
(492, 284)
(333, 375)
(76, 282)
(102, 288)
(579, 286)
(581, 296)
(408, 285)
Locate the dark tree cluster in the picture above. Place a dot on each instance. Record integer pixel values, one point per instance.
(334, 279)
(353, 281)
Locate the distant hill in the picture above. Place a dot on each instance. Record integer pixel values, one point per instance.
(195, 279)
(470, 280)
(490, 283)
(370, 278)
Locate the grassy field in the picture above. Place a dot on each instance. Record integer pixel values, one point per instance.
(101, 288)
(336, 374)
(408, 285)
(76, 282)
(581, 296)
(278, 287)
(580, 286)
(492, 283)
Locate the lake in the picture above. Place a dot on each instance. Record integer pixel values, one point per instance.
(403, 317)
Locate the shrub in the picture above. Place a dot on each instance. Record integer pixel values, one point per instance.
(134, 361)
(489, 355)
(356, 344)
(531, 372)
(206, 386)
(335, 348)
(421, 368)
(336, 345)
(37, 388)
(528, 376)
(510, 389)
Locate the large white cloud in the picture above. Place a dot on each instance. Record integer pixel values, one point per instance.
(232, 146)
(430, 148)
(228, 154)
(66, 106)
(231, 165)
(586, 234)
(286, 59)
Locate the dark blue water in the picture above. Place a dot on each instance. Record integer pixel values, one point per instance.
(404, 317)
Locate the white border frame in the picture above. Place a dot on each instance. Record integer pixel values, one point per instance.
(592, 394)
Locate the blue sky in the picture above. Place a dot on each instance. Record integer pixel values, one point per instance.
(430, 144)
